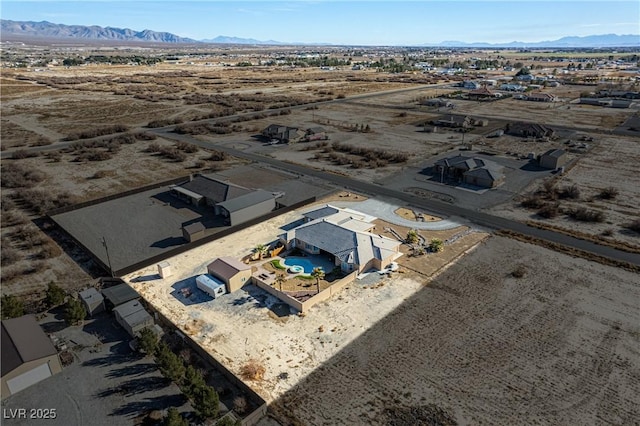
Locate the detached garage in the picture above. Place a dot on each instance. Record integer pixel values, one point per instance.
(28, 356)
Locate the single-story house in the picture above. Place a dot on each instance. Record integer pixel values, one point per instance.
(482, 93)
(541, 97)
(438, 102)
(455, 121)
(284, 134)
(233, 273)
(133, 317)
(316, 133)
(468, 84)
(119, 294)
(92, 301)
(235, 203)
(470, 170)
(535, 130)
(509, 87)
(28, 355)
(211, 285)
(345, 236)
(553, 159)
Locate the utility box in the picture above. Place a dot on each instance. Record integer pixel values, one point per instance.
(164, 269)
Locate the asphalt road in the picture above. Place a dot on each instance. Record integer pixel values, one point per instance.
(438, 207)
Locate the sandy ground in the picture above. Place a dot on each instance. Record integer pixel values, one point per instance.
(558, 346)
(612, 162)
(240, 327)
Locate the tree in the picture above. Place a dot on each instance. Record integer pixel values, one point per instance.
(523, 71)
(206, 402)
(55, 295)
(12, 307)
(226, 421)
(74, 312)
(318, 274)
(193, 381)
(148, 341)
(174, 418)
(261, 250)
(170, 365)
(412, 236)
(436, 245)
(280, 279)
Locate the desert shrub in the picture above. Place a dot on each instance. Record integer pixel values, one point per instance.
(145, 136)
(93, 133)
(153, 147)
(608, 193)
(252, 370)
(549, 189)
(532, 202)
(23, 153)
(571, 192)
(633, 226)
(519, 272)
(9, 255)
(164, 122)
(41, 201)
(49, 250)
(15, 175)
(584, 215)
(240, 404)
(607, 232)
(200, 164)
(54, 156)
(7, 202)
(93, 155)
(218, 156)
(549, 211)
(172, 153)
(186, 147)
(103, 173)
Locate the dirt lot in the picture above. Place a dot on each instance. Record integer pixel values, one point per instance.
(558, 346)
(610, 164)
(249, 325)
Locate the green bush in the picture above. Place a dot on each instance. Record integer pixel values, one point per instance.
(12, 307)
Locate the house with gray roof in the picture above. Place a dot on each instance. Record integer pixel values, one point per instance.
(284, 134)
(346, 237)
(471, 170)
(553, 159)
(28, 355)
(235, 203)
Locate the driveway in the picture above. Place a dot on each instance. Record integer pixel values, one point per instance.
(386, 211)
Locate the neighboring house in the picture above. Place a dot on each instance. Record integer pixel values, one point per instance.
(28, 356)
(284, 134)
(235, 203)
(470, 85)
(553, 159)
(316, 134)
(455, 121)
(346, 237)
(233, 273)
(438, 102)
(119, 294)
(482, 93)
(512, 87)
(92, 301)
(526, 77)
(527, 130)
(541, 97)
(133, 317)
(470, 170)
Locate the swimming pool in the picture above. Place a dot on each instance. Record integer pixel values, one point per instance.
(306, 264)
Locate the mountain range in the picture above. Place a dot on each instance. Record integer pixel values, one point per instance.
(46, 29)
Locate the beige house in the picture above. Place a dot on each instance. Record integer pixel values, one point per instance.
(28, 356)
(233, 273)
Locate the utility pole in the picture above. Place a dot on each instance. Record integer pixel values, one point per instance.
(104, 243)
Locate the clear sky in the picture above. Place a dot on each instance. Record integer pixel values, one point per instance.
(347, 22)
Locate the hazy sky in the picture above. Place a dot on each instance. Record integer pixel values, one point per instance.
(347, 22)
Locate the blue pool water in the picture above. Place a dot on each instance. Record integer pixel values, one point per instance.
(306, 264)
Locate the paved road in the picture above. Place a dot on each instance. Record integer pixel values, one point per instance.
(435, 206)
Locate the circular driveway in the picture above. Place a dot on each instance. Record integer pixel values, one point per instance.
(386, 211)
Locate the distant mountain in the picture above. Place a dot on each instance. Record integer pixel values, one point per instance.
(604, 40)
(237, 40)
(94, 32)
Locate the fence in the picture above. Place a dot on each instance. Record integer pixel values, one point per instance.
(307, 304)
(169, 253)
(251, 418)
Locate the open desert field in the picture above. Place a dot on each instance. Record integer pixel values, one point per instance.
(558, 345)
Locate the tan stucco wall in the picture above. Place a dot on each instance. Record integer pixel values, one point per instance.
(54, 366)
(236, 282)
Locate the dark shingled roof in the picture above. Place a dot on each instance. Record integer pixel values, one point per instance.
(120, 294)
(22, 341)
(213, 189)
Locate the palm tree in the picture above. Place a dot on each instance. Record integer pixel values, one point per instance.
(280, 279)
(261, 250)
(318, 274)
